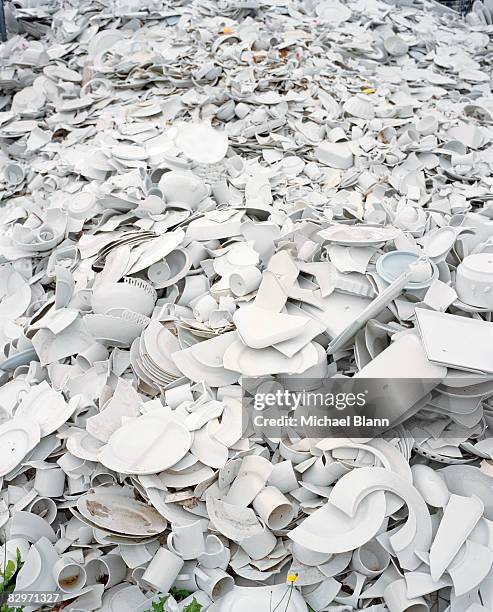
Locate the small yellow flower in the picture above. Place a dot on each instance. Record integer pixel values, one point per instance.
(369, 90)
(292, 578)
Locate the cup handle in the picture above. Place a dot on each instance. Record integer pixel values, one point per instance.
(169, 542)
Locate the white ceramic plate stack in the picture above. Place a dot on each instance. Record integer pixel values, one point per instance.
(113, 510)
(151, 355)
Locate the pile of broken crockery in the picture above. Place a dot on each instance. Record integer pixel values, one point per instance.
(193, 193)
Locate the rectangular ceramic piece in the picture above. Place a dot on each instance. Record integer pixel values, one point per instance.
(457, 342)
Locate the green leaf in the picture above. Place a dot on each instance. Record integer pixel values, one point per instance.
(158, 606)
(18, 559)
(193, 607)
(9, 572)
(179, 594)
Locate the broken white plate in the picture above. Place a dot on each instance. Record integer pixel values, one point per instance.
(46, 407)
(17, 438)
(459, 519)
(113, 509)
(201, 142)
(358, 235)
(146, 445)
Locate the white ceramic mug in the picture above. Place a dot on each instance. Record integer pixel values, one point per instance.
(395, 596)
(323, 594)
(137, 577)
(85, 534)
(50, 482)
(93, 353)
(370, 559)
(76, 486)
(187, 541)
(274, 508)
(69, 575)
(186, 578)
(163, 570)
(215, 555)
(254, 473)
(44, 507)
(245, 280)
(260, 544)
(215, 582)
(102, 477)
(107, 570)
(204, 307)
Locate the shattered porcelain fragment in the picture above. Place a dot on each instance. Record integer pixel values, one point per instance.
(17, 437)
(335, 155)
(431, 485)
(446, 545)
(452, 350)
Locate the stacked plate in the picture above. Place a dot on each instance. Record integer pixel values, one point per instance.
(150, 356)
(129, 238)
(113, 510)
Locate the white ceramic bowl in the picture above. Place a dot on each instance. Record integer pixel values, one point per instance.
(474, 280)
(132, 294)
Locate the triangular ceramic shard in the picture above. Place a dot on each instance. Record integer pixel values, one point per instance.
(459, 519)
(260, 328)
